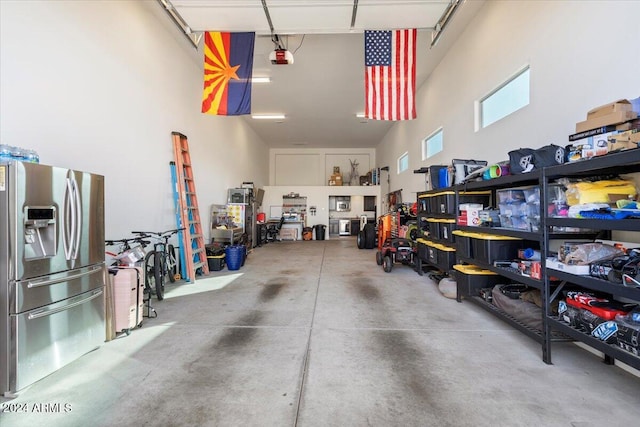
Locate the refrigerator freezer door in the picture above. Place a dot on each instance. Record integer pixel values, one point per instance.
(50, 337)
(37, 292)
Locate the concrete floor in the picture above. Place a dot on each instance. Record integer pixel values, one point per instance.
(316, 334)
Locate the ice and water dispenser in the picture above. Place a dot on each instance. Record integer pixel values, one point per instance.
(39, 231)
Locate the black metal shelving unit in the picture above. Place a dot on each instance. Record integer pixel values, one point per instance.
(624, 162)
(545, 335)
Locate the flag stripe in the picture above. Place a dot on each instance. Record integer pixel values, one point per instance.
(390, 84)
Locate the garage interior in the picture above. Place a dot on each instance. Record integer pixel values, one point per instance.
(307, 332)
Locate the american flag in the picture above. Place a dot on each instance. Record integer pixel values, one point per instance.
(390, 74)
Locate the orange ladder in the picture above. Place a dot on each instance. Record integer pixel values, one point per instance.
(194, 250)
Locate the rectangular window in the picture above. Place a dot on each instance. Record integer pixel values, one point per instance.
(432, 144)
(403, 162)
(509, 97)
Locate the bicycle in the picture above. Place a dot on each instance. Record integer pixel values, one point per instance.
(161, 261)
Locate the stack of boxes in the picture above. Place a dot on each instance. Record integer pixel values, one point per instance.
(614, 113)
(610, 127)
(336, 177)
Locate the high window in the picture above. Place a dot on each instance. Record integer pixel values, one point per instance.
(432, 144)
(403, 162)
(507, 98)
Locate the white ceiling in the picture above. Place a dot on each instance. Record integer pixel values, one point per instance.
(321, 92)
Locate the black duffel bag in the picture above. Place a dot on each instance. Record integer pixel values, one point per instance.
(525, 160)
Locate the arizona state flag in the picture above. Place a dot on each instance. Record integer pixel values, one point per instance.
(228, 65)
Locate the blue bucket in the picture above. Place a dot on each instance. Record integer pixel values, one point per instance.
(234, 255)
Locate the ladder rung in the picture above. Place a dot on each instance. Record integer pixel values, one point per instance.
(196, 236)
(198, 250)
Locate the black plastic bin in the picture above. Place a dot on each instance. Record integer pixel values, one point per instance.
(320, 229)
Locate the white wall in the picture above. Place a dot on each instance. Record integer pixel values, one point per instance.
(100, 86)
(305, 166)
(582, 54)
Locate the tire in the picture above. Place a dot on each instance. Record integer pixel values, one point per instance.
(379, 258)
(413, 233)
(419, 267)
(173, 271)
(360, 239)
(387, 264)
(263, 235)
(159, 273)
(369, 236)
(615, 277)
(149, 273)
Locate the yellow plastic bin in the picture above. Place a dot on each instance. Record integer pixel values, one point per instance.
(216, 262)
(487, 248)
(470, 279)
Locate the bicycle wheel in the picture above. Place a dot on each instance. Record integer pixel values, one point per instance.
(172, 264)
(150, 273)
(159, 267)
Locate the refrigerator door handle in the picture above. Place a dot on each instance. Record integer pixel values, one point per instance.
(49, 311)
(78, 218)
(67, 222)
(47, 282)
(71, 229)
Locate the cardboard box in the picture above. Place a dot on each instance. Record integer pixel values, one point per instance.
(288, 234)
(469, 214)
(336, 179)
(624, 141)
(554, 264)
(605, 120)
(591, 146)
(621, 105)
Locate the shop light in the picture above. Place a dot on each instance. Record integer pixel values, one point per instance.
(268, 116)
(261, 80)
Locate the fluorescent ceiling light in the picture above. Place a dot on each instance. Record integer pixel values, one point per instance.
(360, 115)
(268, 116)
(261, 80)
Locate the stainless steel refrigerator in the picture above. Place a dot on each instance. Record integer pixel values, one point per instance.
(52, 272)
